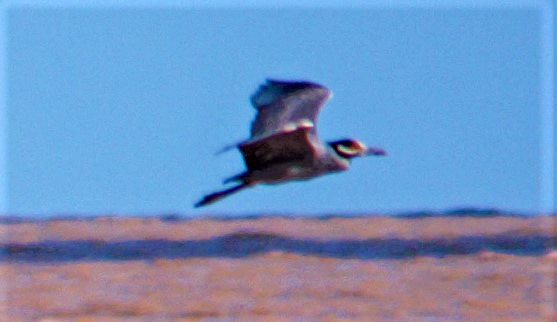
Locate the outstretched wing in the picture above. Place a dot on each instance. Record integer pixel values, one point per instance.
(284, 106)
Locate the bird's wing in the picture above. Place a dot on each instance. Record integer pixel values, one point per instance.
(284, 106)
(287, 146)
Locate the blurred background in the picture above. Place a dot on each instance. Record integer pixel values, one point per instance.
(120, 110)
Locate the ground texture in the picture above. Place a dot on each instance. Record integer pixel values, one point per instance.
(279, 269)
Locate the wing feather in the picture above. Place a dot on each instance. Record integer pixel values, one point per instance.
(284, 129)
(284, 106)
(285, 147)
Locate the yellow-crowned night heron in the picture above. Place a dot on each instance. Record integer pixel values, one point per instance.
(284, 144)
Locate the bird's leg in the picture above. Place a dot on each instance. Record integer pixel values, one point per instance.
(213, 197)
(238, 177)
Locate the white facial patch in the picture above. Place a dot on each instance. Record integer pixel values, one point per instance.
(347, 150)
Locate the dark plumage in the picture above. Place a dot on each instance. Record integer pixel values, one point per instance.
(284, 144)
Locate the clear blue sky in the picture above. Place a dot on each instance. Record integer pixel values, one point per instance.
(121, 110)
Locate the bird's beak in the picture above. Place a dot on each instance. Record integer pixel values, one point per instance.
(376, 152)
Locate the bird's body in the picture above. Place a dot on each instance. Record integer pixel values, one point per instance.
(305, 158)
(284, 145)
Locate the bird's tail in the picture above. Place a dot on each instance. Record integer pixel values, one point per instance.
(208, 199)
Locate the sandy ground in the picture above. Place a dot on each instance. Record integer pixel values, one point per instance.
(279, 269)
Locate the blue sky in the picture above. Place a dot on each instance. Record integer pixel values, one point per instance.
(120, 110)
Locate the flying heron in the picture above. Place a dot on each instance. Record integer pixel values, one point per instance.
(284, 144)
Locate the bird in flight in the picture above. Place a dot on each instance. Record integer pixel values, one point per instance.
(284, 144)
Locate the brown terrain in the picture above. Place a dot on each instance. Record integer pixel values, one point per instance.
(368, 268)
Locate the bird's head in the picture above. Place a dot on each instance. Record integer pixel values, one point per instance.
(350, 148)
